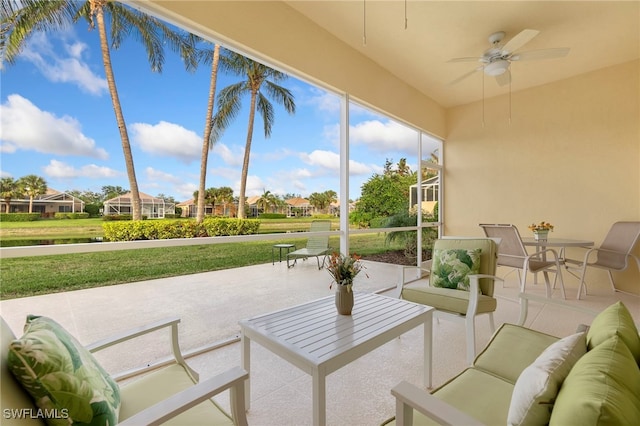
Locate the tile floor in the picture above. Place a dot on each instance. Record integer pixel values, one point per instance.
(211, 304)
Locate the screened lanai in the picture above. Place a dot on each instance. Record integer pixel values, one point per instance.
(152, 207)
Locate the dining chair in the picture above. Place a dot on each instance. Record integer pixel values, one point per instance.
(612, 255)
(513, 254)
(452, 295)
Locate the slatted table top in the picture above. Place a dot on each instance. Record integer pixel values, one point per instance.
(313, 335)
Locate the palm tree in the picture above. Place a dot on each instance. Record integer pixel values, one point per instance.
(50, 15)
(32, 186)
(261, 81)
(208, 56)
(9, 189)
(266, 200)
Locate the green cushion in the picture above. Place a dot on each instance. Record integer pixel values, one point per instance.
(446, 299)
(538, 385)
(62, 376)
(512, 349)
(451, 267)
(603, 388)
(615, 320)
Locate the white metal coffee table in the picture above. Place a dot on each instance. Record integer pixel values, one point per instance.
(314, 338)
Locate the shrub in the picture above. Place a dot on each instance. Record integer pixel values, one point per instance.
(169, 229)
(19, 217)
(272, 216)
(60, 215)
(93, 209)
(225, 226)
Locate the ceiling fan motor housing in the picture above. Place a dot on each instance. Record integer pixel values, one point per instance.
(496, 67)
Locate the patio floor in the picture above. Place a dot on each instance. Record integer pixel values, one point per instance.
(211, 304)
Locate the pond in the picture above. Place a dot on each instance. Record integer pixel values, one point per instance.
(48, 242)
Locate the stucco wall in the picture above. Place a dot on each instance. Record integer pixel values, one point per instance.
(571, 156)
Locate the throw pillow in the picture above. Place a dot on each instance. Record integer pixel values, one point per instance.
(451, 267)
(615, 320)
(537, 386)
(603, 388)
(62, 376)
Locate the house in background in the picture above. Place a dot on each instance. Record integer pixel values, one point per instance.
(48, 204)
(297, 206)
(190, 209)
(152, 207)
(430, 190)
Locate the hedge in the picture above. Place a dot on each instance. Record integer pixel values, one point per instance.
(168, 229)
(272, 216)
(19, 217)
(82, 215)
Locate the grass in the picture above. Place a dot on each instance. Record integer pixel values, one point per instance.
(30, 276)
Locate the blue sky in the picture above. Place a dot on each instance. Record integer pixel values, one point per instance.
(56, 121)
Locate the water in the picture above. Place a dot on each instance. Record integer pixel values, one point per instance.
(47, 242)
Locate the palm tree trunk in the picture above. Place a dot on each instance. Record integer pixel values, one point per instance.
(207, 134)
(30, 203)
(247, 153)
(124, 136)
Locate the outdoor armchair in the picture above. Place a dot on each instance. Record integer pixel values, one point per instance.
(612, 255)
(317, 245)
(475, 258)
(49, 360)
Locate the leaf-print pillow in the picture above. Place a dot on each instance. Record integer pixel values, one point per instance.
(451, 267)
(62, 376)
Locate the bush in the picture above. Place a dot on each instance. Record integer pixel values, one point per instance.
(272, 216)
(19, 217)
(224, 226)
(114, 217)
(93, 209)
(169, 229)
(60, 215)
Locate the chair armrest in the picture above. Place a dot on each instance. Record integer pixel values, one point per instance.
(474, 292)
(409, 397)
(232, 379)
(132, 333)
(424, 267)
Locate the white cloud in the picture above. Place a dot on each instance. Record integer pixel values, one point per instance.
(255, 186)
(58, 169)
(324, 101)
(384, 137)
(167, 139)
(330, 161)
(228, 156)
(24, 126)
(58, 69)
(158, 175)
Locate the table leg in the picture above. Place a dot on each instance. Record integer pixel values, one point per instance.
(428, 349)
(319, 398)
(245, 358)
(272, 257)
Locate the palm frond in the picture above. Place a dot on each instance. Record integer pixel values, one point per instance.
(265, 108)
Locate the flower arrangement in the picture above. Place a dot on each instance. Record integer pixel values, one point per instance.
(542, 226)
(343, 269)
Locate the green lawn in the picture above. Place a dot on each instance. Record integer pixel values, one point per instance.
(28, 276)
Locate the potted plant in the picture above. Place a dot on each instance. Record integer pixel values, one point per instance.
(343, 269)
(541, 230)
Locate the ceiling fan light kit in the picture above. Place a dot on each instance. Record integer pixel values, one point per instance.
(496, 68)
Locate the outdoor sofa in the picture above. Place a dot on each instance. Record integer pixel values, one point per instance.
(526, 377)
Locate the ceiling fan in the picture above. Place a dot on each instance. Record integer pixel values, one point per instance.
(496, 60)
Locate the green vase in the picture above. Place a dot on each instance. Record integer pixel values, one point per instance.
(344, 299)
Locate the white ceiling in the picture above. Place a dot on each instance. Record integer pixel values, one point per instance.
(599, 34)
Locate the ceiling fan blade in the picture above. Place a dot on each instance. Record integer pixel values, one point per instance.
(556, 52)
(468, 59)
(463, 76)
(504, 78)
(519, 40)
